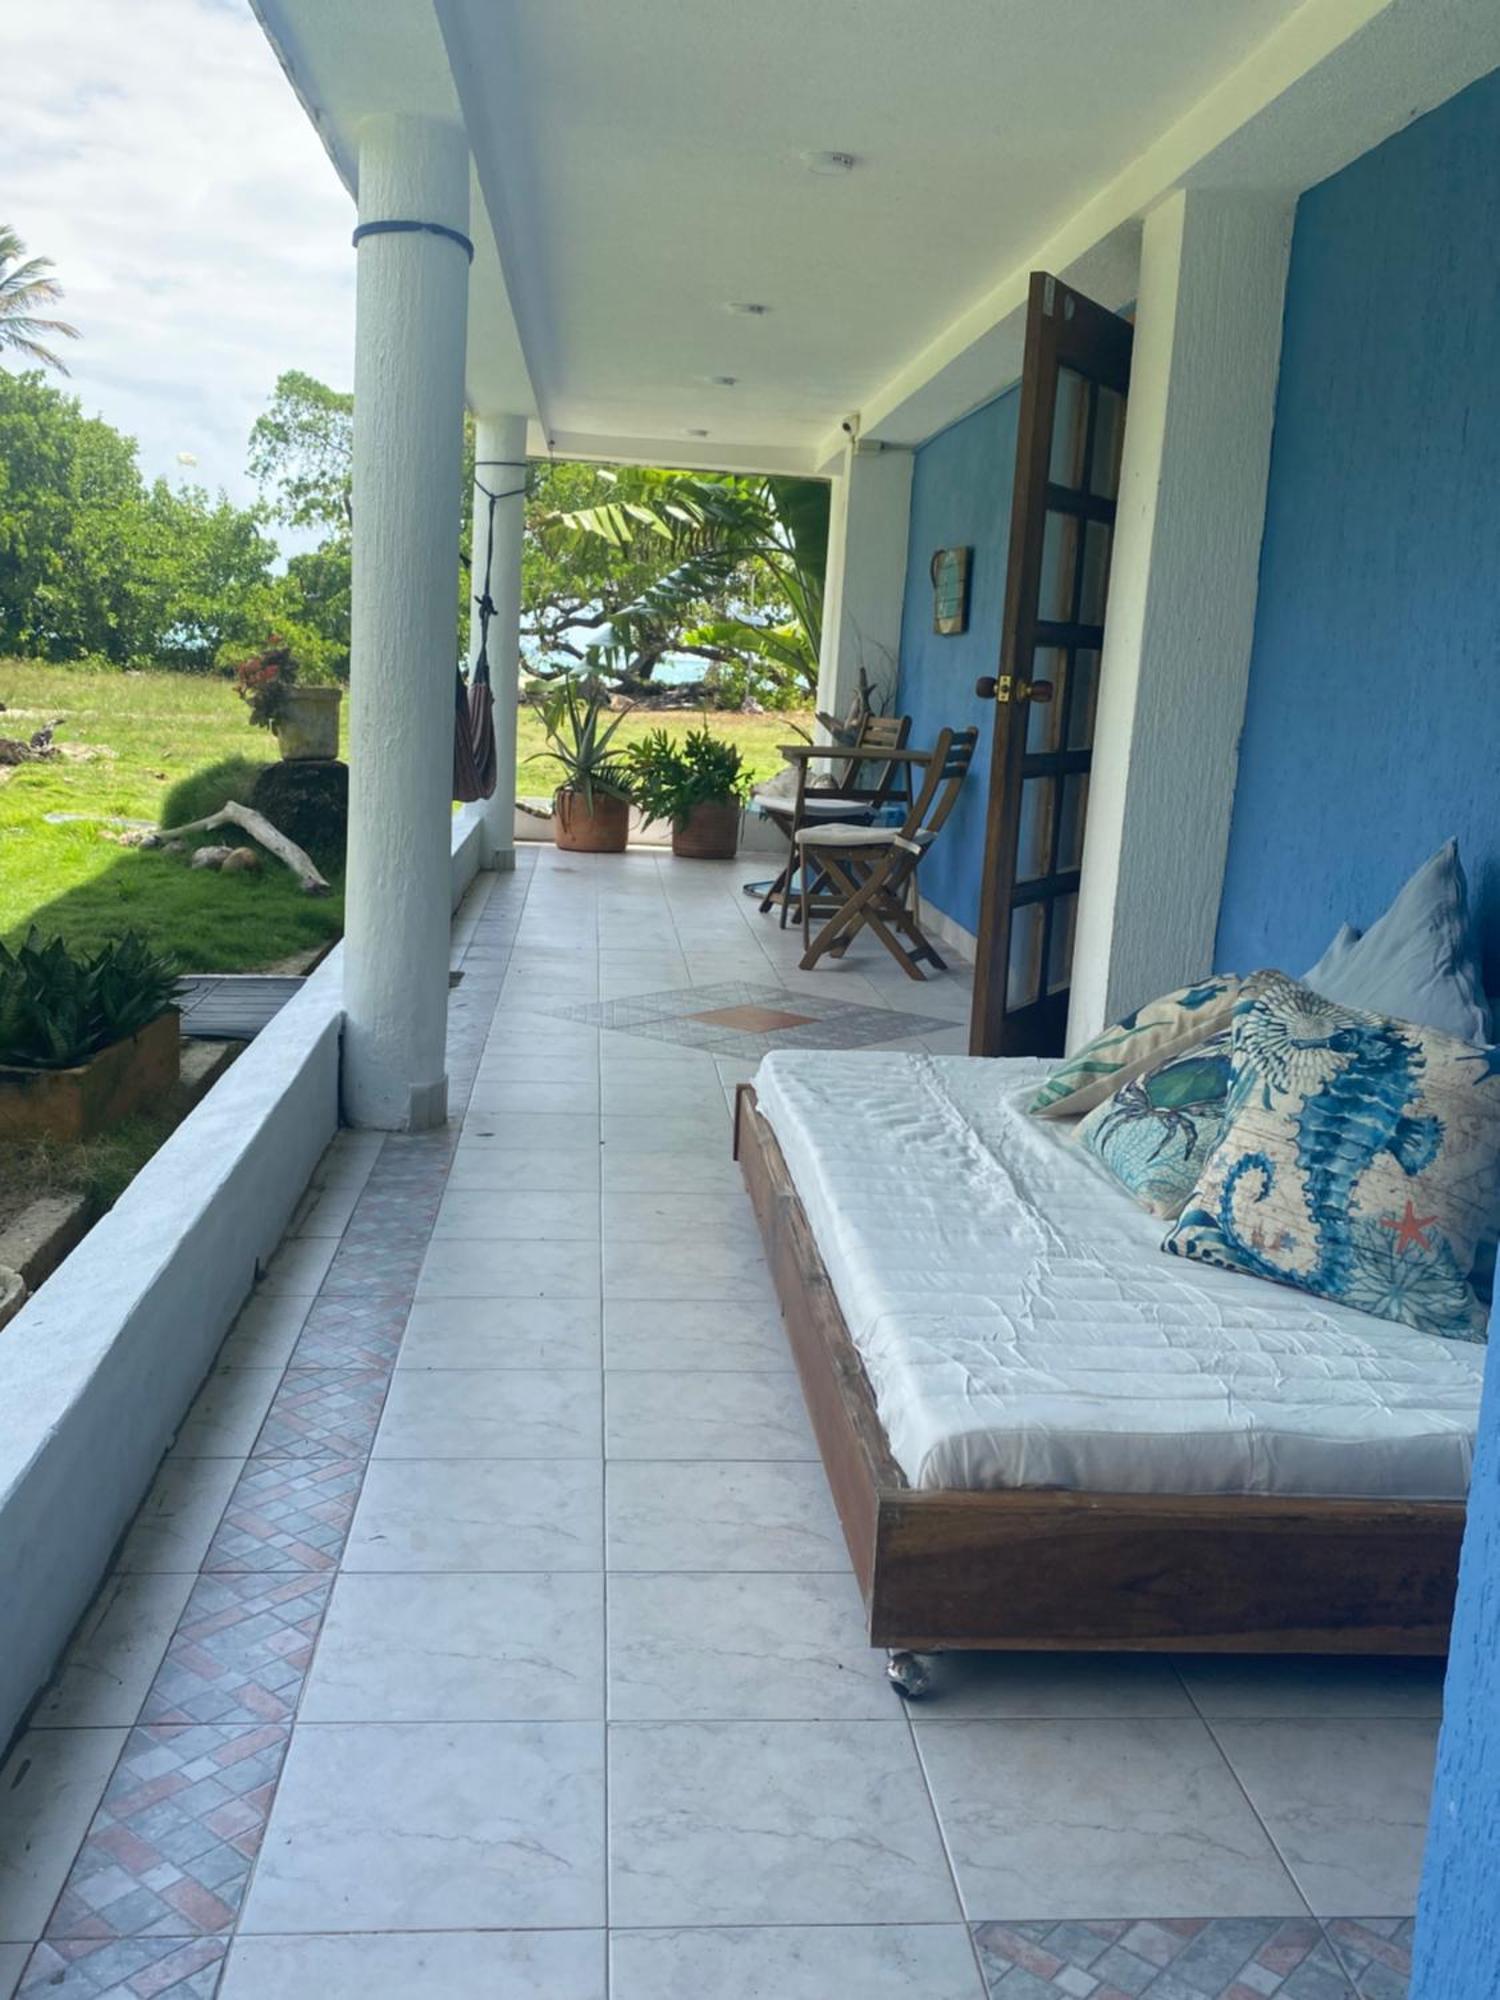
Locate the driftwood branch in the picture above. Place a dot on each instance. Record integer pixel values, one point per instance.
(261, 829)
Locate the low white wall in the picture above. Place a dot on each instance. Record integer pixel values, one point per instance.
(97, 1370)
(467, 855)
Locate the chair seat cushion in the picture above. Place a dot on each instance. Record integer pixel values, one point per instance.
(858, 836)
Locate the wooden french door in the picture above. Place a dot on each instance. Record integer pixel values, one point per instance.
(1072, 431)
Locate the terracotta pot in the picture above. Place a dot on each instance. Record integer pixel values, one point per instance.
(712, 832)
(308, 725)
(602, 831)
(75, 1103)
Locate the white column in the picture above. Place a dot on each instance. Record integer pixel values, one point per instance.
(866, 577)
(500, 467)
(411, 307)
(1181, 598)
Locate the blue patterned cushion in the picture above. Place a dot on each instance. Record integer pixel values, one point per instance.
(1131, 1046)
(1156, 1131)
(1359, 1159)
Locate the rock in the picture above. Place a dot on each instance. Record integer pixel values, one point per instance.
(211, 857)
(168, 846)
(308, 801)
(12, 1294)
(241, 861)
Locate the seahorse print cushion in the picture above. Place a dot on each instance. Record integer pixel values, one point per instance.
(1155, 1133)
(1130, 1047)
(1359, 1160)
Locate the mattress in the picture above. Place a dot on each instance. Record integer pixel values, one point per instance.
(1021, 1326)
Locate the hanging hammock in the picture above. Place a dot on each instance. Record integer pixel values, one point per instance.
(475, 767)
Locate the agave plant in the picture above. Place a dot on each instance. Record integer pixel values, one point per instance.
(58, 1009)
(570, 714)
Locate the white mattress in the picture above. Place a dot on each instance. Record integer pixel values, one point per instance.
(1021, 1326)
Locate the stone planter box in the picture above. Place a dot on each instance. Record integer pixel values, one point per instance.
(712, 832)
(307, 728)
(65, 1104)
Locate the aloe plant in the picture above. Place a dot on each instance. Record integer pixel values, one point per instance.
(56, 1010)
(570, 716)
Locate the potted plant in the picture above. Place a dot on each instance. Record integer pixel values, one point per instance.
(85, 1039)
(698, 784)
(304, 720)
(591, 808)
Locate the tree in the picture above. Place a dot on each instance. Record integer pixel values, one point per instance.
(26, 286)
(302, 454)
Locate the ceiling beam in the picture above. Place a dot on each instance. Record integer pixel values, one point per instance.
(688, 454)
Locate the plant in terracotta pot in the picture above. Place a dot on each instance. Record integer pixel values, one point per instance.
(591, 808)
(85, 1040)
(304, 719)
(698, 783)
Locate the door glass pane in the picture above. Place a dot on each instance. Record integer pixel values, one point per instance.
(1059, 560)
(1023, 975)
(1096, 550)
(1044, 718)
(1109, 443)
(1034, 841)
(1085, 676)
(1060, 949)
(1075, 800)
(1069, 429)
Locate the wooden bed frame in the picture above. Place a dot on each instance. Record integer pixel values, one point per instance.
(1040, 1569)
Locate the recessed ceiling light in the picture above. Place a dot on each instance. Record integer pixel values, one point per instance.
(723, 381)
(697, 434)
(831, 163)
(750, 306)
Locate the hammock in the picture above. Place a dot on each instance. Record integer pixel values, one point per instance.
(474, 762)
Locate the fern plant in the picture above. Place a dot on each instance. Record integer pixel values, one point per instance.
(668, 778)
(57, 1010)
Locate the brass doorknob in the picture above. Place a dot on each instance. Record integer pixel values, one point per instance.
(1038, 691)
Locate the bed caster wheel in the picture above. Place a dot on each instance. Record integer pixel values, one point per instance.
(910, 1675)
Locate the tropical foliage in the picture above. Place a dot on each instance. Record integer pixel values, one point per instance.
(58, 1008)
(669, 777)
(571, 715)
(27, 288)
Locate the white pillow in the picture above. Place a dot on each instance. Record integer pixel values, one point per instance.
(1417, 962)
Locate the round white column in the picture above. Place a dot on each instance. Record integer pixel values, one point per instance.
(410, 325)
(500, 467)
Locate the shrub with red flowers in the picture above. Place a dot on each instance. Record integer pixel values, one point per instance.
(262, 681)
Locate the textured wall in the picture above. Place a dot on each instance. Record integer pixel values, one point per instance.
(1373, 722)
(1458, 1923)
(960, 497)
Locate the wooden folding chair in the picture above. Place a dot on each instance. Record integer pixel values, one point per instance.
(863, 783)
(873, 868)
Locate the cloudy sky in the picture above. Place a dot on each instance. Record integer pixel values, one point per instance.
(153, 150)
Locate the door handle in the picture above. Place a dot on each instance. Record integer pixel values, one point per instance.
(988, 688)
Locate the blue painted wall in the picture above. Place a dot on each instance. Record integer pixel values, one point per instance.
(961, 486)
(1458, 1924)
(1372, 731)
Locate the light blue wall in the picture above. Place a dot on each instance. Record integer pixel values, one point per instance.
(1458, 1925)
(1372, 731)
(960, 497)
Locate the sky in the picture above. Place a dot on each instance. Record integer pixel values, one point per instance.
(155, 152)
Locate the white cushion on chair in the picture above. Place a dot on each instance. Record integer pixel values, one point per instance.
(860, 836)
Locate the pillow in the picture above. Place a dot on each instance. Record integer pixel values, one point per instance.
(1156, 1131)
(1359, 1160)
(1140, 1042)
(1418, 961)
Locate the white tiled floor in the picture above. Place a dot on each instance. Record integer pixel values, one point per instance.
(593, 1655)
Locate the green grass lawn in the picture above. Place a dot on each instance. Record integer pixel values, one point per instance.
(169, 748)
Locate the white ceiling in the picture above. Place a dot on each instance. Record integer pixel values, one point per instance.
(643, 163)
(651, 155)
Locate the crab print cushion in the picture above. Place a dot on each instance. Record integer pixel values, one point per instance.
(1140, 1041)
(1359, 1159)
(1155, 1133)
